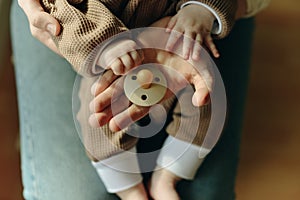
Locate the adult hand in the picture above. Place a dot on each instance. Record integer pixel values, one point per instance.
(42, 25)
(110, 104)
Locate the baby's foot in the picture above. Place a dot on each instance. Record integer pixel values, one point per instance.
(162, 185)
(137, 192)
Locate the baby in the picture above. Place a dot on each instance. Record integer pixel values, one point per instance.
(87, 24)
(162, 185)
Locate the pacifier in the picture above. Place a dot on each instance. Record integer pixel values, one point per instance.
(145, 85)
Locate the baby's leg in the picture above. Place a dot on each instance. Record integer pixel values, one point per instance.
(112, 154)
(114, 172)
(181, 154)
(186, 131)
(162, 185)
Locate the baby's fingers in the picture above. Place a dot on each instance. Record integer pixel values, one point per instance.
(171, 24)
(188, 41)
(117, 66)
(197, 47)
(173, 38)
(211, 46)
(128, 63)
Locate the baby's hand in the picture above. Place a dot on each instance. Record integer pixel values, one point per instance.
(121, 56)
(195, 22)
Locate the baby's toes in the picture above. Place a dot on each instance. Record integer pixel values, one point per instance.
(137, 56)
(128, 63)
(117, 67)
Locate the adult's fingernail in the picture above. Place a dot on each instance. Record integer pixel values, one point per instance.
(92, 107)
(197, 100)
(93, 121)
(51, 29)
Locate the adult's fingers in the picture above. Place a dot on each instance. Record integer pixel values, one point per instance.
(45, 38)
(103, 117)
(45, 21)
(201, 94)
(38, 17)
(99, 119)
(104, 99)
(127, 117)
(103, 82)
(200, 97)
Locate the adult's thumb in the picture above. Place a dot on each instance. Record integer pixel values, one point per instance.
(46, 22)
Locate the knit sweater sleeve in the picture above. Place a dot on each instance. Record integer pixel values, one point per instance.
(85, 24)
(226, 10)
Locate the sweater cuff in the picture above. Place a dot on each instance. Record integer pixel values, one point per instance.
(116, 172)
(225, 10)
(217, 26)
(181, 158)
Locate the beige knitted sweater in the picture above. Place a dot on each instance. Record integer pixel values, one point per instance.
(87, 23)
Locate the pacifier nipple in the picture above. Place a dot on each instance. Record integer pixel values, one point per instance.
(145, 78)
